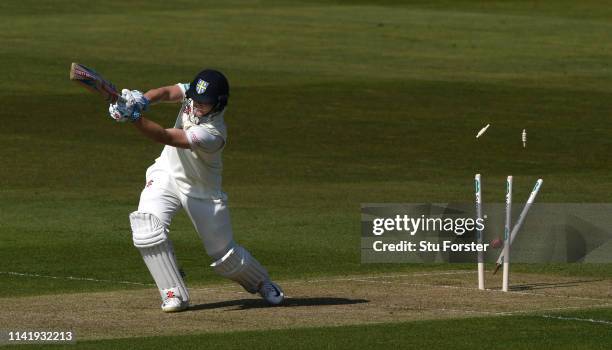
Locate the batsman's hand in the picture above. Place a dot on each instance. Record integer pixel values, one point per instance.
(116, 113)
(129, 106)
(141, 103)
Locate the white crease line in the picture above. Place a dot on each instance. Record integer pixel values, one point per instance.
(591, 320)
(558, 296)
(487, 290)
(367, 279)
(11, 273)
(221, 288)
(71, 278)
(357, 278)
(342, 279)
(467, 311)
(463, 311)
(518, 312)
(460, 272)
(563, 308)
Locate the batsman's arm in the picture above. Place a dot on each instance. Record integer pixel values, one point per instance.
(171, 93)
(154, 131)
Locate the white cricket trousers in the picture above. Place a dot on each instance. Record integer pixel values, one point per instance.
(210, 218)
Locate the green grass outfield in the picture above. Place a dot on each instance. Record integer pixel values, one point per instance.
(333, 104)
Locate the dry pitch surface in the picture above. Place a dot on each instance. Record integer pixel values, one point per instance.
(322, 302)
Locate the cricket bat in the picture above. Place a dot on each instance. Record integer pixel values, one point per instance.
(94, 82)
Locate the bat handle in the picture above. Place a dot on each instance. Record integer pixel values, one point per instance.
(116, 97)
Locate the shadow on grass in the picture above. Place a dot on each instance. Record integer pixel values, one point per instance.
(243, 304)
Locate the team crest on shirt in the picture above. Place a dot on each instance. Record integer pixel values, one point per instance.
(201, 86)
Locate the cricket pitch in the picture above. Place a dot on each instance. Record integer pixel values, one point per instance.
(348, 300)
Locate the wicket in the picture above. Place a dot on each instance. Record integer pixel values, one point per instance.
(521, 219)
(510, 231)
(479, 240)
(507, 226)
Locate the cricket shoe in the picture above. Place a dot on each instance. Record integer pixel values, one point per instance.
(272, 293)
(172, 301)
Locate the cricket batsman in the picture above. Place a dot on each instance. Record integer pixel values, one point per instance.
(187, 175)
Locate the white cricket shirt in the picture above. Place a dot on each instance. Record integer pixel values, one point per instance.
(197, 171)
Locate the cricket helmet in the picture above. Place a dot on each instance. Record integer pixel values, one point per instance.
(211, 87)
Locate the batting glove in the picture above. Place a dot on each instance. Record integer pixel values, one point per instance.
(115, 113)
(129, 106)
(141, 103)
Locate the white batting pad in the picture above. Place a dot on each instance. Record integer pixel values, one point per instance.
(149, 236)
(240, 266)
